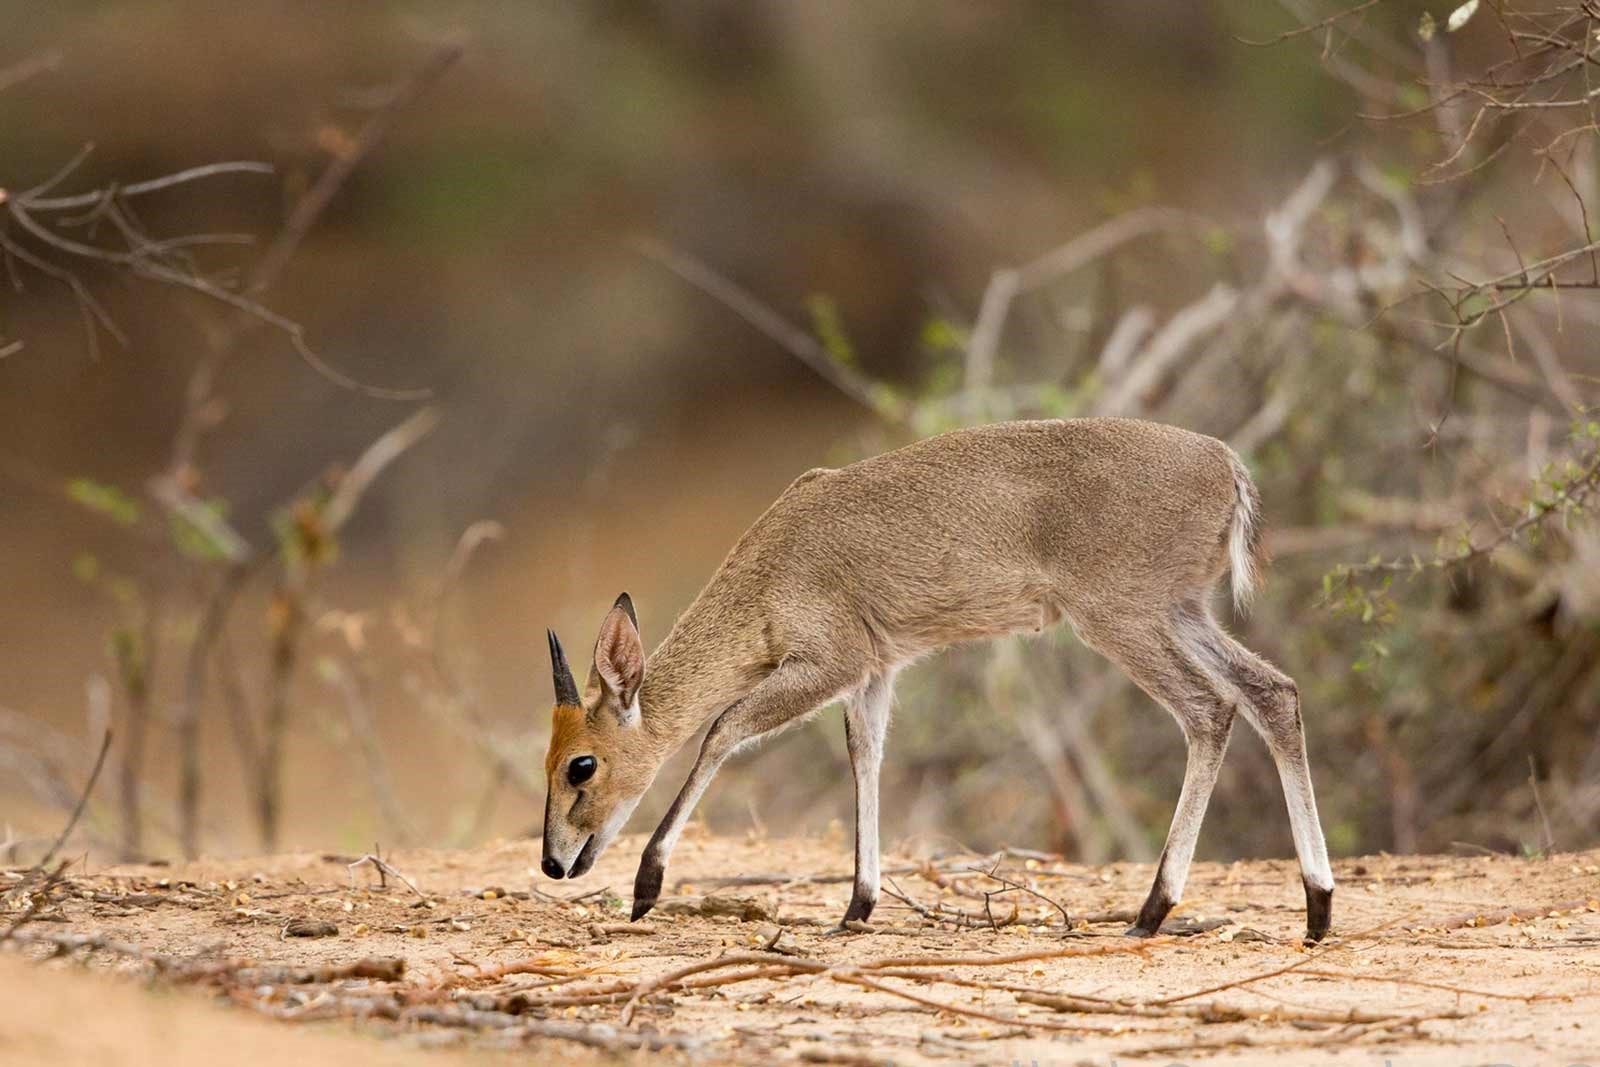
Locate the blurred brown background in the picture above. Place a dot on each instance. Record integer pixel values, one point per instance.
(860, 169)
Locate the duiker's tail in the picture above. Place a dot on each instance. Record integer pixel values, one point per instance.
(1247, 554)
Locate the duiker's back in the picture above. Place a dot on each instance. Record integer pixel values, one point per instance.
(969, 532)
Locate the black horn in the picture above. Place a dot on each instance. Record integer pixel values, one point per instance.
(566, 688)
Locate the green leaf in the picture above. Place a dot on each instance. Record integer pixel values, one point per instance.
(86, 567)
(107, 500)
(193, 540)
(829, 324)
(942, 335)
(887, 401)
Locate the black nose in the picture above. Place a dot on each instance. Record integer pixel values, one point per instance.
(551, 868)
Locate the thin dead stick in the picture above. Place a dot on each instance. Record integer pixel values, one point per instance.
(813, 967)
(1326, 23)
(351, 679)
(602, 1036)
(1352, 976)
(620, 992)
(1008, 283)
(1250, 980)
(1342, 1036)
(1478, 919)
(83, 800)
(152, 185)
(851, 978)
(940, 912)
(797, 342)
(538, 967)
(1011, 885)
(467, 545)
(1538, 802)
(732, 959)
(66, 944)
(206, 968)
(1138, 948)
(21, 71)
(383, 867)
(196, 674)
(372, 462)
(378, 969)
(1209, 1013)
(781, 878)
(40, 897)
(946, 978)
(1012, 282)
(861, 926)
(1312, 956)
(309, 208)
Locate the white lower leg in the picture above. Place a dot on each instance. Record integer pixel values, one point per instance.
(1309, 844)
(1199, 778)
(866, 723)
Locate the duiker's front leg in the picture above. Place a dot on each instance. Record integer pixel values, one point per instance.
(789, 692)
(866, 721)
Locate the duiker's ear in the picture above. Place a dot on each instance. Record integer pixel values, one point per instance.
(619, 657)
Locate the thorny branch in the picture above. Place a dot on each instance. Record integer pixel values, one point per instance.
(177, 489)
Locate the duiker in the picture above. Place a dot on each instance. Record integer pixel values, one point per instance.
(1120, 527)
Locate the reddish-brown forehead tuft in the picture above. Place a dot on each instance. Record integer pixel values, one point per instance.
(566, 722)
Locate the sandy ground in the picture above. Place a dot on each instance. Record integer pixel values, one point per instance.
(1425, 959)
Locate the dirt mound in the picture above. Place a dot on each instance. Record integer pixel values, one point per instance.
(970, 959)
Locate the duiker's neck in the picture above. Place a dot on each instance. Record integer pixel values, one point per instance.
(695, 674)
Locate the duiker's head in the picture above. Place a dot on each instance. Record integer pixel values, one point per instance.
(600, 761)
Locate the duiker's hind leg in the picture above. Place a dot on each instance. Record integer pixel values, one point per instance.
(866, 722)
(1270, 702)
(1154, 655)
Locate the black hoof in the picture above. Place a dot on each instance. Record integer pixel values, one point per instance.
(1153, 914)
(647, 888)
(1319, 912)
(860, 909)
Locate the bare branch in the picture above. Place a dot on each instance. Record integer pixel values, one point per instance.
(153, 185)
(1009, 283)
(1322, 24)
(33, 66)
(795, 341)
(309, 208)
(372, 462)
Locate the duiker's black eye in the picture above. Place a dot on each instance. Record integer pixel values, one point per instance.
(581, 769)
